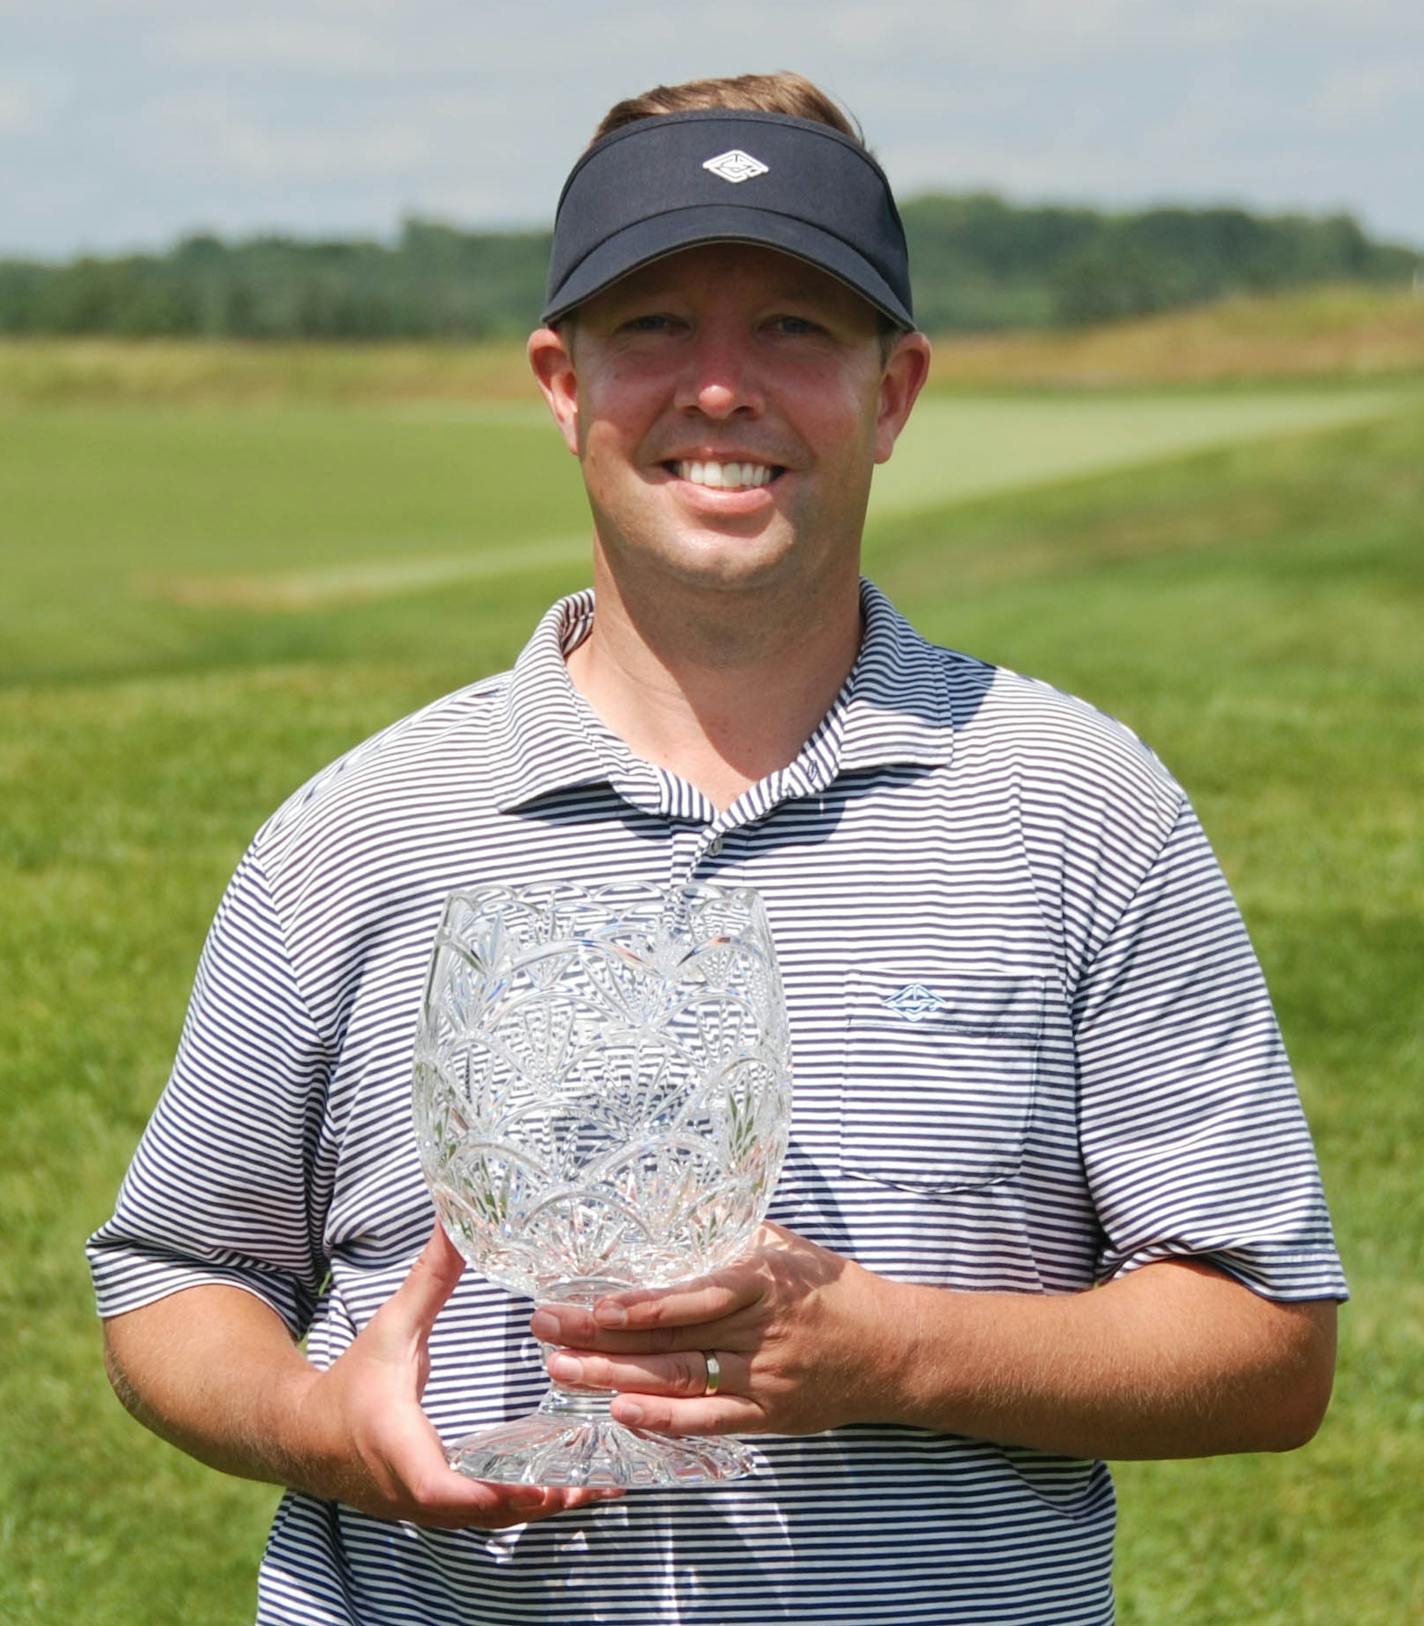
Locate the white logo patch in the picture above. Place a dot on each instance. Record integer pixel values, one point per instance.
(735, 166)
(915, 1002)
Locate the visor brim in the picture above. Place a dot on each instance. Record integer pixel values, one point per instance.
(662, 235)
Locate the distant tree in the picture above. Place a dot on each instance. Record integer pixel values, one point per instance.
(979, 263)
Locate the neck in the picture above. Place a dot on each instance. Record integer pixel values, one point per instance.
(720, 689)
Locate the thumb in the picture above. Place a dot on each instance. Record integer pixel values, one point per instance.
(422, 1295)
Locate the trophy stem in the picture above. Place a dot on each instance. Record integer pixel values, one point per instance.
(572, 1440)
(569, 1404)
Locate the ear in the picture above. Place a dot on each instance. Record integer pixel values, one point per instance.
(905, 371)
(551, 358)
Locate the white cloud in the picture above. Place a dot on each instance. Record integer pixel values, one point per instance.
(307, 114)
(313, 155)
(20, 109)
(1369, 93)
(227, 139)
(287, 44)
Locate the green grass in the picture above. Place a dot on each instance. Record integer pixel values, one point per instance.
(957, 447)
(1251, 608)
(1318, 333)
(144, 540)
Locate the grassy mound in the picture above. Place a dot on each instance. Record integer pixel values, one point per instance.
(1319, 333)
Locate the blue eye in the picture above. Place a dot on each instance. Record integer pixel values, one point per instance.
(648, 324)
(796, 325)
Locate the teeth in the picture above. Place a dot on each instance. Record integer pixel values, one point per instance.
(725, 475)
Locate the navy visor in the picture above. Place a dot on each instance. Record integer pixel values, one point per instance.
(679, 179)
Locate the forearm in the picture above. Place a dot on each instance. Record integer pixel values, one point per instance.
(1174, 1360)
(214, 1371)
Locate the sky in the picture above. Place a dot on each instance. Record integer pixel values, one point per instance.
(127, 124)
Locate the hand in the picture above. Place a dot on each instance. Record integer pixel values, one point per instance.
(376, 1450)
(806, 1340)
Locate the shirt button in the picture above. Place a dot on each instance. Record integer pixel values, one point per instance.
(714, 846)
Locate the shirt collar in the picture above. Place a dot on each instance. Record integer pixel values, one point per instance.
(893, 707)
(541, 743)
(896, 701)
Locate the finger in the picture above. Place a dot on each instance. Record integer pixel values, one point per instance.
(709, 1298)
(410, 1459)
(681, 1376)
(579, 1332)
(555, 1501)
(719, 1414)
(422, 1295)
(475, 1503)
(466, 1498)
(655, 1319)
(408, 1456)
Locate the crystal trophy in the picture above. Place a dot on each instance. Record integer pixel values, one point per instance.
(602, 1100)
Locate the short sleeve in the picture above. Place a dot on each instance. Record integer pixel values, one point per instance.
(1192, 1132)
(221, 1187)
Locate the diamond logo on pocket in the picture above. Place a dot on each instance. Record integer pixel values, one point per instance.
(914, 1002)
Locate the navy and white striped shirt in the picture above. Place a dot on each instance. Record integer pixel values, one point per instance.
(1033, 1051)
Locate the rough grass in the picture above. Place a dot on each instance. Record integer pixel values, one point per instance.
(1320, 334)
(1352, 332)
(1252, 610)
(230, 372)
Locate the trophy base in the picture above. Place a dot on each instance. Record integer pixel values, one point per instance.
(572, 1440)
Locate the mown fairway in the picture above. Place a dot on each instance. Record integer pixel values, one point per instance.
(202, 607)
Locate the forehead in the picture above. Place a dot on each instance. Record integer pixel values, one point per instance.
(746, 269)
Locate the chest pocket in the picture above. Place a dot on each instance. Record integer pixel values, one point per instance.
(939, 1078)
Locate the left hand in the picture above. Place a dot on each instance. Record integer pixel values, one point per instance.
(806, 1340)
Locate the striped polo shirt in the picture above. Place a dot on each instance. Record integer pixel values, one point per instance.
(1032, 1048)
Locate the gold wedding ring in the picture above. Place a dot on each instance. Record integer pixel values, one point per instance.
(714, 1373)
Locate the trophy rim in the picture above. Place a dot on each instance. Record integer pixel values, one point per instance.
(472, 925)
(607, 893)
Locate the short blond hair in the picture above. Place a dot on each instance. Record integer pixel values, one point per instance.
(791, 94)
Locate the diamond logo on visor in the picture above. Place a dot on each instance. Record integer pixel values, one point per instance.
(914, 1002)
(735, 166)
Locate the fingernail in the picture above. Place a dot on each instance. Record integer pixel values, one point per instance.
(526, 1498)
(545, 1325)
(610, 1315)
(566, 1368)
(629, 1411)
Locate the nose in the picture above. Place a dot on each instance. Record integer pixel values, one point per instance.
(719, 376)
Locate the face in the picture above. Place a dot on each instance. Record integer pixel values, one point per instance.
(728, 405)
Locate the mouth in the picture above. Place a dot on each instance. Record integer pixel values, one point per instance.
(725, 476)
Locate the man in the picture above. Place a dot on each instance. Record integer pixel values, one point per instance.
(1034, 1053)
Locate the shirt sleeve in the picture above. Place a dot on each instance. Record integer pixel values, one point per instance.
(221, 1188)
(1192, 1132)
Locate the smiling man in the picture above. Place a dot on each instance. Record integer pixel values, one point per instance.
(1050, 1197)
(728, 404)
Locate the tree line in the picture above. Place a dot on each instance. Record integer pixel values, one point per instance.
(980, 264)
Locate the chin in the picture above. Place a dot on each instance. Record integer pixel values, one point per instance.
(731, 569)
(718, 561)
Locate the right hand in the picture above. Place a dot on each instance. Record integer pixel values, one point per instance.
(372, 1447)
